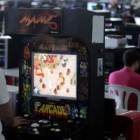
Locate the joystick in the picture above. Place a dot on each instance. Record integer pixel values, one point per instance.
(45, 121)
(40, 121)
(36, 131)
(35, 125)
(57, 130)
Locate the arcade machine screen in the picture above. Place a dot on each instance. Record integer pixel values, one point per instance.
(54, 75)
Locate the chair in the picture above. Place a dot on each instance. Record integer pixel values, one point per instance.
(114, 93)
(117, 92)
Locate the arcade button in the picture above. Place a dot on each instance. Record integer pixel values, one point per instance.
(19, 127)
(52, 129)
(35, 125)
(57, 130)
(22, 127)
(45, 121)
(70, 121)
(26, 115)
(40, 121)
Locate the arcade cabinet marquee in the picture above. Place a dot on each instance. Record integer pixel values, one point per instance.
(39, 21)
(61, 69)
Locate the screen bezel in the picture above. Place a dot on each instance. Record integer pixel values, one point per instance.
(52, 97)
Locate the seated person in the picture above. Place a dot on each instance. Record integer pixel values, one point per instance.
(127, 76)
(130, 17)
(6, 112)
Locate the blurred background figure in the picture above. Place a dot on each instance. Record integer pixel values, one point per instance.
(129, 17)
(117, 9)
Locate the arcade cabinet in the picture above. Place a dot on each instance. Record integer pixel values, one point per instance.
(61, 73)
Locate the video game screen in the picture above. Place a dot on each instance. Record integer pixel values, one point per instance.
(54, 75)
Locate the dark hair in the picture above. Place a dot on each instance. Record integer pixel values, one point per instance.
(130, 56)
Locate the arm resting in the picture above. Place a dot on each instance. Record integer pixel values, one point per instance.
(6, 114)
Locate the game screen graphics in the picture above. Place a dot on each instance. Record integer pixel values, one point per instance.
(55, 75)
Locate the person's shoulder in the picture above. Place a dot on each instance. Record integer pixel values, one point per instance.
(114, 72)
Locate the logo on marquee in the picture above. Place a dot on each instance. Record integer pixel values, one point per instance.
(43, 18)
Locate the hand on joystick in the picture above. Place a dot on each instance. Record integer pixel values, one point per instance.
(20, 121)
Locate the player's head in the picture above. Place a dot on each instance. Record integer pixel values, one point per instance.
(131, 58)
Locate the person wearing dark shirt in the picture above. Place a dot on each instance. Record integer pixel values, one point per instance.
(130, 17)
